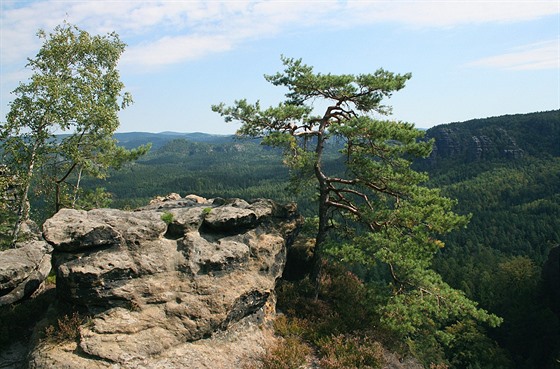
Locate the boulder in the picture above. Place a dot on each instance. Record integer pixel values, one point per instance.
(23, 270)
(168, 286)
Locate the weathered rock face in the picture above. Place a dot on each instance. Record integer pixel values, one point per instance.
(469, 144)
(160, 291)
(24, 268)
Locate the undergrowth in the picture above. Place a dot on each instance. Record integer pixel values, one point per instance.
(18, 320)
(66, 328)
(333, 332)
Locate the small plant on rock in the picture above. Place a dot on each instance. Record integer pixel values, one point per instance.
(66, 328)
(167, 217)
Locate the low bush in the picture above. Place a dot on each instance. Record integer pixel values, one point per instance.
(286, 327)
(350, 351)
(288, 353)
(66, 328)
(167, 217)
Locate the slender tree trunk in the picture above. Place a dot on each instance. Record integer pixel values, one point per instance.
(23, 208)
(77, 188)
(56, 197)
(320, 239)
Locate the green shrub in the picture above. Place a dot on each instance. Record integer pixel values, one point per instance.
(51, 278)
(347, 297)
(291, 327)
(167, 217)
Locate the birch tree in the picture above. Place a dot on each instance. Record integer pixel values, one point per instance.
(63, 118)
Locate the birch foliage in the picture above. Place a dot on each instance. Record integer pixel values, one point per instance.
(61, 122)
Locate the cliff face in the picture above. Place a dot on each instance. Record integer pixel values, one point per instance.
(24, 268)
(507, 137)
(473, 145)
(181, 283)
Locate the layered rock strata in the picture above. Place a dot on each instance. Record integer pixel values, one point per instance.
(176, 284)
(23, 269)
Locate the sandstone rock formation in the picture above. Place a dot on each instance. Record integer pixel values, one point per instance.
(24, 268)
(472, 143)
(162, 284)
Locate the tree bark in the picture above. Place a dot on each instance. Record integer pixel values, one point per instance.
(23, 208)
(58, 183)
(320, 239)
(77, 188)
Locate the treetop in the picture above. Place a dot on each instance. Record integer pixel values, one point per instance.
(363, 91)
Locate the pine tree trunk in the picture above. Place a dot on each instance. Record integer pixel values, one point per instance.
(317, 260)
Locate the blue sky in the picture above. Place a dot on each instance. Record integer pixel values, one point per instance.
(468, 59)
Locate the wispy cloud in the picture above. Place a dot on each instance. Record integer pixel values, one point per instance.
(225, 27)
(542, 55)
(166, 32)
(450, 13)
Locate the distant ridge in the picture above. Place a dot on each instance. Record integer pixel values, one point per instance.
(134, 139)
(533, 132)
(173, 133)
(502, 137)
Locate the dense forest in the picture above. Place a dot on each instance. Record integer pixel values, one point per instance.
(511, 187)
(504, 172)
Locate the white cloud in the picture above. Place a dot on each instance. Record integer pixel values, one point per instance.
(542, 55)
(170, 31)
(217, 27)
(449, 13)
(169, 50)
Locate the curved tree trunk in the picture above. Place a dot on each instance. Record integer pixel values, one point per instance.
(320, 239)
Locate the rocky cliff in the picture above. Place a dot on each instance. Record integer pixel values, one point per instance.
(467, 145)
(181, 283)
(24, 268)
(509, 137)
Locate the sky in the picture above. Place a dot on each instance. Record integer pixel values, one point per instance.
(468, 59)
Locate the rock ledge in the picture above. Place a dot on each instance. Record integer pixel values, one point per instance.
(173, 285)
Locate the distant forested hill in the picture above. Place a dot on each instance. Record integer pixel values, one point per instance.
(504, 137)
(206, 165)
(134, 139)
(505, 172)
